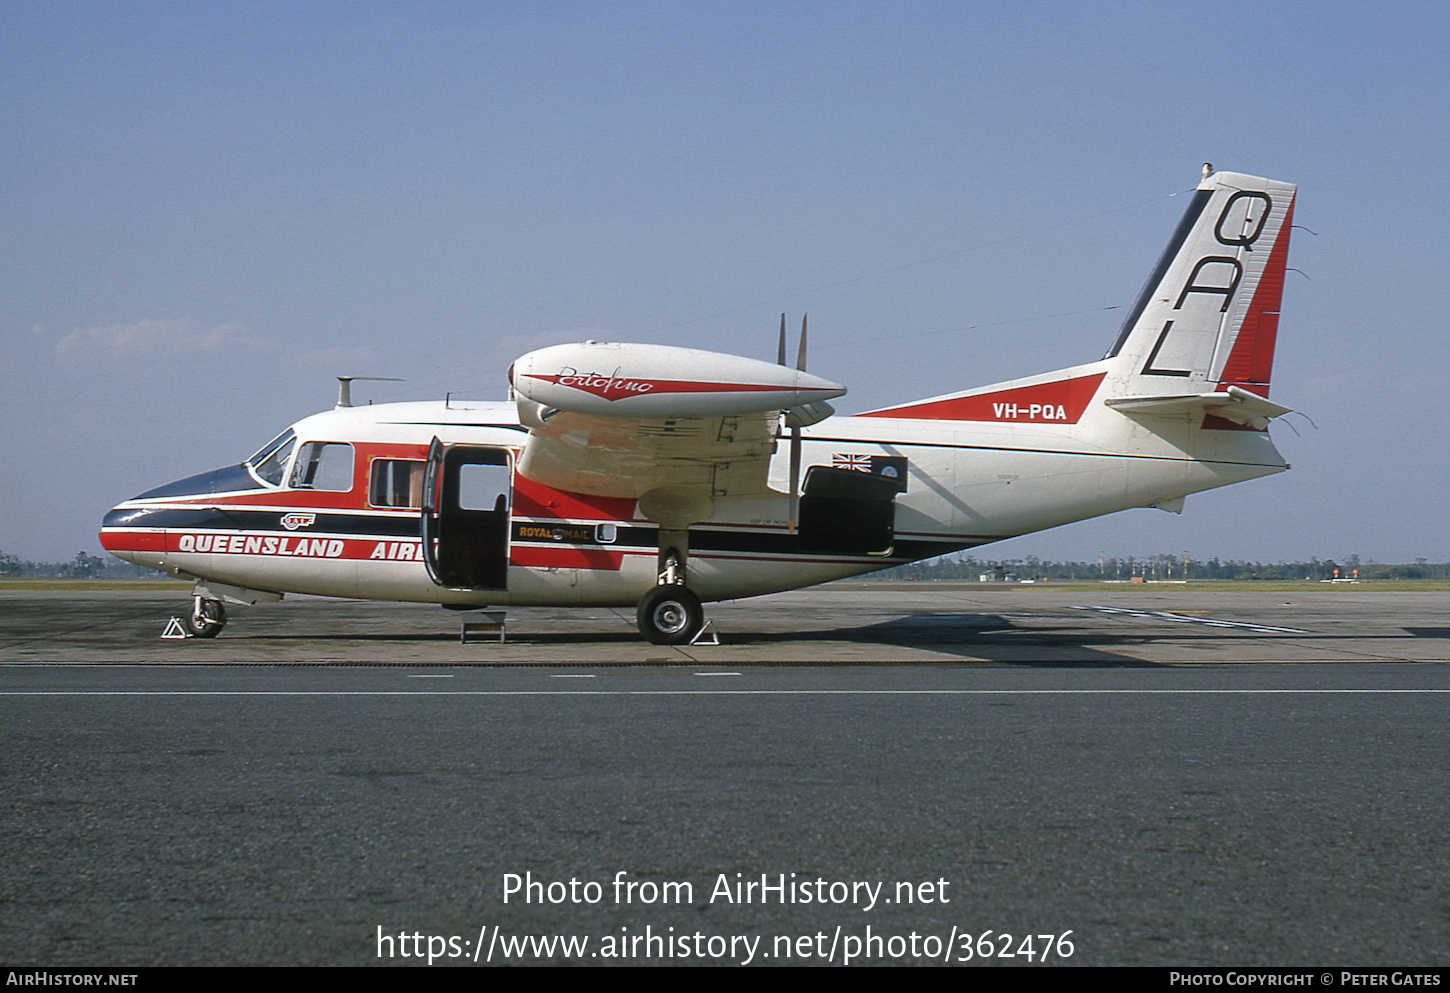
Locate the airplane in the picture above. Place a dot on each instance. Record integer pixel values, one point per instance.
(665, 477)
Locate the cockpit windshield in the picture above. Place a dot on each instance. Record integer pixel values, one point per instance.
(270, 463)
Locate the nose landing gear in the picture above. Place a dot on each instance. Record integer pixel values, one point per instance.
(206, 618)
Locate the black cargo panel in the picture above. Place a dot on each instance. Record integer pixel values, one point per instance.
(847, 512)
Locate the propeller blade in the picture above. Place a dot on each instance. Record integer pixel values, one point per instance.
(795, 476)
(795, 433)
(780, 352)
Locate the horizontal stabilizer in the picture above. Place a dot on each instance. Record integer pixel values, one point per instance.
(1234, 404)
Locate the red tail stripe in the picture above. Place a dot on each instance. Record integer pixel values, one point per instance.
(1251, 362)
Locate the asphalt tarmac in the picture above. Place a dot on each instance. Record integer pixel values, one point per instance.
(1179, 779)
(1112, 625)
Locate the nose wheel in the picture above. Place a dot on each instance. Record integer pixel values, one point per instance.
(670, 615)
(206, 619)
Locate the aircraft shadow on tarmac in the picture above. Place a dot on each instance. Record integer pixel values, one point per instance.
(979, 637)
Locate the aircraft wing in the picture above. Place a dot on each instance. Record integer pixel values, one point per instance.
(621, 420)
(625, 457)
(1234, 404)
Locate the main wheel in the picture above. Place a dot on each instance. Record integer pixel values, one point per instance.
(206, 619)
(670, 615)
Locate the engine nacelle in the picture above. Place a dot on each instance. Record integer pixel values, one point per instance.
(629, 380)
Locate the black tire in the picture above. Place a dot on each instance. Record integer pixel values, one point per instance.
(206, 619)
(670, 615)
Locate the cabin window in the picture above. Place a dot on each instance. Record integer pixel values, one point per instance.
(270, 463)
(396, 483)
(323, 465)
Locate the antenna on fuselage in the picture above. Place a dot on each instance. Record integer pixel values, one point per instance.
(344, 386)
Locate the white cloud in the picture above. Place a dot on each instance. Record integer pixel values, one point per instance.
(148, 336)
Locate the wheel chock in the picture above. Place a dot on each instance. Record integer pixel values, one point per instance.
(175, 629)
(708, 631)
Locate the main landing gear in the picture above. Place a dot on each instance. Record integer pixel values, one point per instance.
(670, 614)
(206, 618)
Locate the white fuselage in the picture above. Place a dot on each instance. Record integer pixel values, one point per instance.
(967, 483)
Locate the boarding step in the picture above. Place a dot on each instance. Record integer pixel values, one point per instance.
(480, 625)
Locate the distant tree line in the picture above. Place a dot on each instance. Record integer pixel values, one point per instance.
(1159, 568)
(83, 566)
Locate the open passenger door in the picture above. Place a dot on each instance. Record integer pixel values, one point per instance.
(466, 513)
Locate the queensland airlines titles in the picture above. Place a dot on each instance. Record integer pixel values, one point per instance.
(322, 548)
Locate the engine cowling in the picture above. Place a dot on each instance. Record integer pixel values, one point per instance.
(615, 379)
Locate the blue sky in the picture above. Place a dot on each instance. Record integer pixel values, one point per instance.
(211, 210)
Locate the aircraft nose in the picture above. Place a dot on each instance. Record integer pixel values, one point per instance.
(127, 534)
(233, 477)
(135, 530)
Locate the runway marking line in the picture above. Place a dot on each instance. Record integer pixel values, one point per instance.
(1183, 617)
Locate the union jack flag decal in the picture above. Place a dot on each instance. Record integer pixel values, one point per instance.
(890, 466)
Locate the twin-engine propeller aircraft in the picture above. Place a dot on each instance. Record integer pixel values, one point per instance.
(660, 476)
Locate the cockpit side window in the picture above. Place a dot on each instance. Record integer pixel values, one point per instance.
(270, 463)
(323, 465)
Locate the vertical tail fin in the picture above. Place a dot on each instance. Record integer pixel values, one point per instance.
(1208, 316)
(1200, 334)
